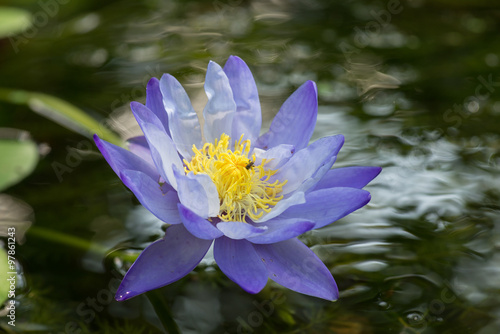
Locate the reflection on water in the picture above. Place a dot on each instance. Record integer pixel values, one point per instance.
(428, 236)
(412, 87)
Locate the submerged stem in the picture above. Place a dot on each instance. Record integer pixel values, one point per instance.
(163, 311)
(76, 242)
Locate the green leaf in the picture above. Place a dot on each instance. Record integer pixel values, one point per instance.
(4, 268)
(61, 112)
(13, 20)
(19, 158)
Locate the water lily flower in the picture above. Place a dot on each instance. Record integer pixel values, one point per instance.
(222, 183)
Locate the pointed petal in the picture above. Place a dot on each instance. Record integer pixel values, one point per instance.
(275, 156)
(306, 167)
(143, 115)
(239, 261)
(185, 129)
(163, 262)
(219, 111)
(295, 121)
(161, 145)
(248, 117)
(239, 230)
(120, 159)
(293, 265)
(147, 191)
(198, 226)
(139, 146)
(282, 229)
(328, 205)
(155, 104)
(198, 193)
(353, 177)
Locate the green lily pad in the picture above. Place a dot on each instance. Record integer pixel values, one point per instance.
(4, 268)
(13, 20)
(19, 157)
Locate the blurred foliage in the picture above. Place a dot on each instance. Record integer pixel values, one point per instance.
(60, 112)
(4, 268)
(13, 20)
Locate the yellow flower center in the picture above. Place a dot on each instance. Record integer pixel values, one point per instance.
(243, 187)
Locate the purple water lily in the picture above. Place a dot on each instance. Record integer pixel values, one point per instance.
(249, 195)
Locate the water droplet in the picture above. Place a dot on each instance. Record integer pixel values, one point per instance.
(383, 305)
(415, 318)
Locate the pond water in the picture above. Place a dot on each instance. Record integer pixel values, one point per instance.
(414, 86)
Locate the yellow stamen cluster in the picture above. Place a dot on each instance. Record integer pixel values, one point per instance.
(243, 187)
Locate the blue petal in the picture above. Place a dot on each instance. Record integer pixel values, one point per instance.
(295, 121)
(239, 230)
(185, 129)
(155, 104)
(328, 205)
(139, 146)
(306, 167)
(144, 115)
(220, 109)
(296, 198)
(161, 145)
(198, 226)
(120, 159)
(147, 191)
(293, 265)
(282, 229)
(239, 261)
(353, 177)
(163, 262)
(198, 193)
(248, 117)
(275, 156)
